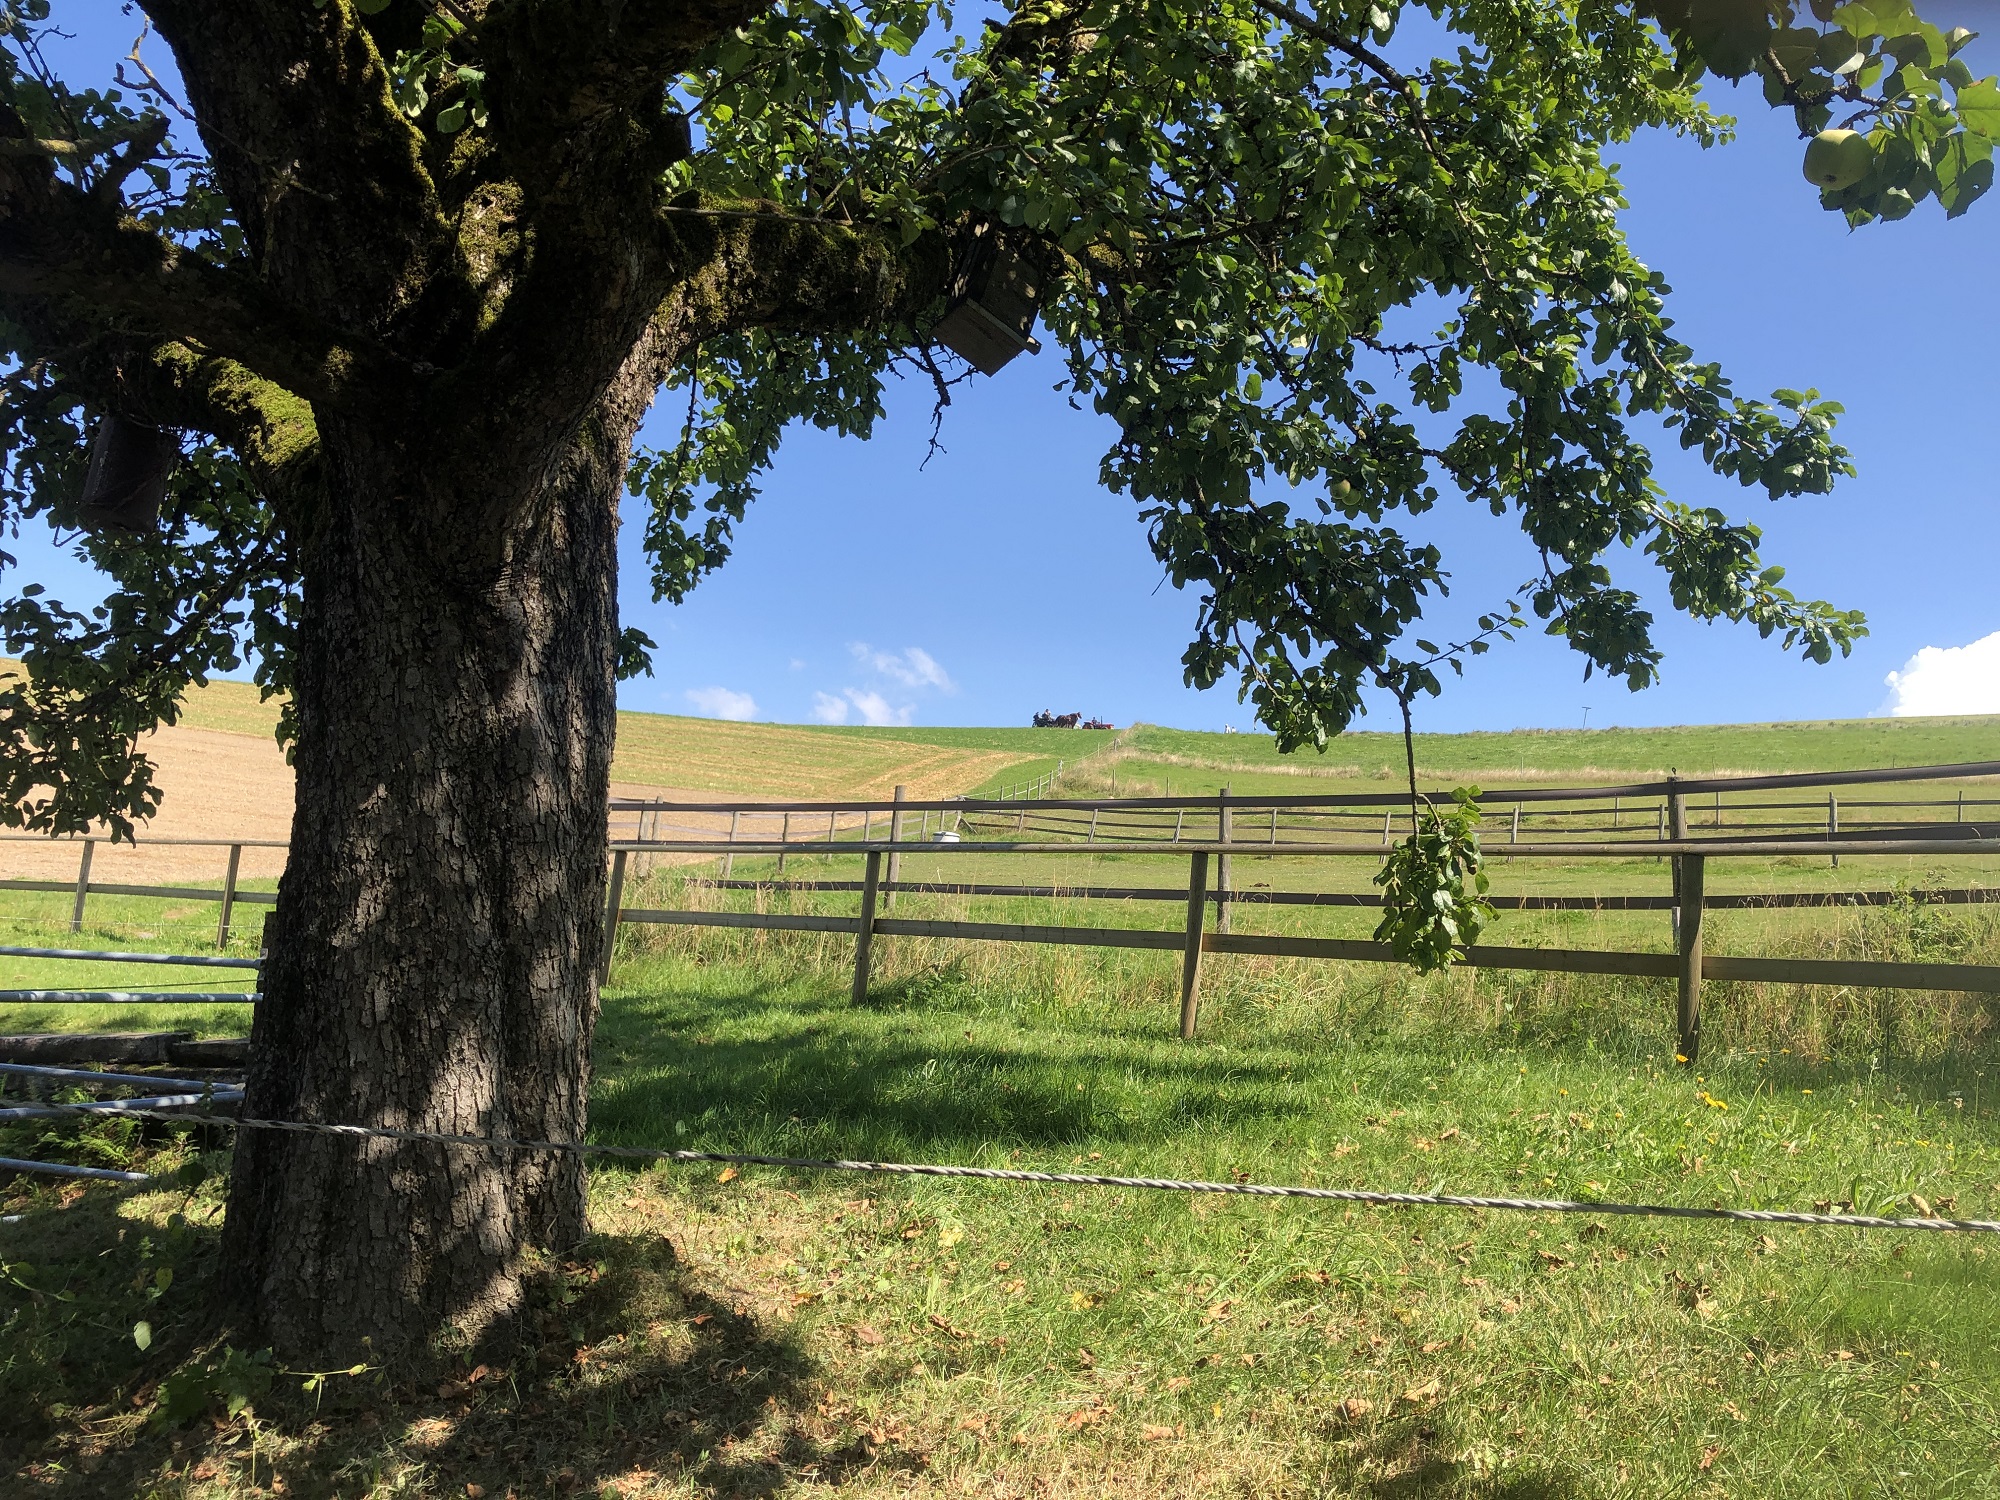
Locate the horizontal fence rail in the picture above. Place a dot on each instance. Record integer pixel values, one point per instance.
(93, 955)
(129, 997)
(1753, 901)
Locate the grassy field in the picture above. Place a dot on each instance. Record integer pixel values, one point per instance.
(768, 1332)
(777, 1332)
(1148, 758)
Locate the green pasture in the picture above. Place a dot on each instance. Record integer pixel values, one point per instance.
(773, 1332)
(759, 1332)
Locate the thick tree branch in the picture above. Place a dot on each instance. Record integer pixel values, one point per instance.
(697, 276)
(798, 274)
(59, 243)
(557, 69)
(169, 383)
(325, 174)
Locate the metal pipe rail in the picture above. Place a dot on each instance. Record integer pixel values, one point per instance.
(101, 1080)
(129, 997)
(123, 1106)
(196, 960)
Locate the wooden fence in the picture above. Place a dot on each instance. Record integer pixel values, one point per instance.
(229, 895)
(1210, 831)
(1680, 821)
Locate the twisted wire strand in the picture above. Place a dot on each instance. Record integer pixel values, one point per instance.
(1062, 1179)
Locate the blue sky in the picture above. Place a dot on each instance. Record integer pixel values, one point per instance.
(999, 578)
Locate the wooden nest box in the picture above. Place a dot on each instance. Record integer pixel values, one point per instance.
(995, 294)
(130, 465)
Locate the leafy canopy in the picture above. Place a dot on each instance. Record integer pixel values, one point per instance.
(1324, 270)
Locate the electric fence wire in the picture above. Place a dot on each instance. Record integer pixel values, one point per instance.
(1060, 1179)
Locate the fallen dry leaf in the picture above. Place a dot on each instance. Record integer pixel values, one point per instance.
(727, 1174)
(1153, 1432)
(1708, 1457)
(864, 1334)
(1423, 1395)
(1354, 1408)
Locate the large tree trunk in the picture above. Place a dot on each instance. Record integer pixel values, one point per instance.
(432, 964)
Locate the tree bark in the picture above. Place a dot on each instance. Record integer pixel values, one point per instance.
(432, 964)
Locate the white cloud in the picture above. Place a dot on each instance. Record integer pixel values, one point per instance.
(722, 703)
(1947, 680)
(875, 709)
(913, 667)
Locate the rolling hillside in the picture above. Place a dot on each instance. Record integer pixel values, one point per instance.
(812, 762)
(1193, 763)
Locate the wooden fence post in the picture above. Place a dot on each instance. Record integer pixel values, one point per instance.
(895, 860)
(228, 895)
(614, 906)
(1677, 829)
(1833, 820)
(1191, 955)
(1688, 1009)
(1225, 830)
(729, 859)
(864, 938)
(784, 838)
(82, 885)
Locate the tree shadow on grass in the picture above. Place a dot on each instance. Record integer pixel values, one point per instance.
(883, 1089)
(629, 1375)
(1405, 1460)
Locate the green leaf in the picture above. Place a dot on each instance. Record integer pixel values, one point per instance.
(897, 40)
(371, 7)
(142, 1334)
(451, 119)
(1979, 107)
